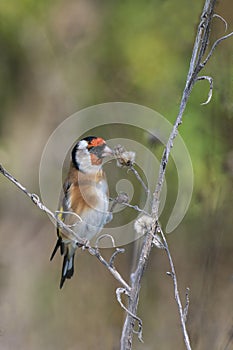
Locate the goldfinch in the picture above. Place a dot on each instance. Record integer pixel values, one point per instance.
(84, 199)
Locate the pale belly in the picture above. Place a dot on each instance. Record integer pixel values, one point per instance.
(90, 223)
(93, 222)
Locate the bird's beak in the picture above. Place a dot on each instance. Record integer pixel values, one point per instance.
(107, 151)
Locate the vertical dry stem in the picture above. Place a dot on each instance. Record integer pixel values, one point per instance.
(197, 63)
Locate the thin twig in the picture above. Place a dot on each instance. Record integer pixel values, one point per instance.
(135, 207)
(186, 308)
(132, 168)
(183, 313)
(122, 198)
(217, 42)
(36, 200)
(118, 200)
(111, 269)
(125, 203)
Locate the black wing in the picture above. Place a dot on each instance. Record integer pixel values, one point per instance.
(62, 208)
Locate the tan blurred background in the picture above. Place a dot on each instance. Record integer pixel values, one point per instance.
(57, 57)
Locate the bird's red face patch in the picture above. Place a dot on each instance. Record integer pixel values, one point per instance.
(97, 142)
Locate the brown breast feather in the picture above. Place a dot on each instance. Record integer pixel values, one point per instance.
(83, 190)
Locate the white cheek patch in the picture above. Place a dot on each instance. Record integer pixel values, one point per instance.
(82, 144)
(83, 159)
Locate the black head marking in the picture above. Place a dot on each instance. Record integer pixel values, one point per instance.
(73, 156)
(89, 138)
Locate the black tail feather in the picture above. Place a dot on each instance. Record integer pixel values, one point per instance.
(58, 245)
(67, 268)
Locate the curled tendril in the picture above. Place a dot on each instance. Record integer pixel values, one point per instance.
(210, 93)
(119, 292)
(58, 212)
(102, 237)
(222, 19)
(117, 251)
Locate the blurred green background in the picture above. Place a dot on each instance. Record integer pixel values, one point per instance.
(58, 57)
